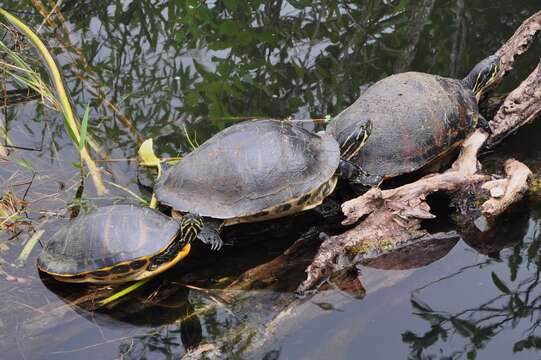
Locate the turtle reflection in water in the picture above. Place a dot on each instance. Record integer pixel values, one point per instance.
(258, 170)
(415, 119)
(118, 243)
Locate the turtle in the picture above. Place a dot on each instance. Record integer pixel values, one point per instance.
(254, 171)
(415, 119)
(118, 243)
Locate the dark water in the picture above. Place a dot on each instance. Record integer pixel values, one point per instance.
(192, 68)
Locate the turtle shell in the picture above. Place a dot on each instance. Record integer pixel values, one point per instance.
(248, 168)
(416, 118)
(106, 237)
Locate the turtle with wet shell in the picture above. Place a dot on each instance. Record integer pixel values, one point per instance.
(118, 243)
(257, 170)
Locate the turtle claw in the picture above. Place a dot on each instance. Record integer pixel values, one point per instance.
(216, 244)
(211, 237)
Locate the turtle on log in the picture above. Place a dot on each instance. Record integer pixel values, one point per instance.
(414, 119)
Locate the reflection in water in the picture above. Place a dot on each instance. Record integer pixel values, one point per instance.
(168, 69)
(504, 232)
(162, 310)
(515, 304)
(414, 255)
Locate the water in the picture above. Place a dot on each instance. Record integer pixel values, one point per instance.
(191, 68)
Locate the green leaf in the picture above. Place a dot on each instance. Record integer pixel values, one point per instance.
(500, 284)
(146, 154)
(147, 157)
(84, 126)
(137, 197)
(70, 132)
(124, 292)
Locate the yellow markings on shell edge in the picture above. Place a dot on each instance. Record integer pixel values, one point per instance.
(299, 204)
(88, 277)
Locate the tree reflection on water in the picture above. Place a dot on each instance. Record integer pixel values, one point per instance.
(512, 302)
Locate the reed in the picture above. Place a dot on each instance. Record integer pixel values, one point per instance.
(61, 97)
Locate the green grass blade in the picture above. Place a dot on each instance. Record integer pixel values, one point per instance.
(123, 292)
(23, 257)
(137, 197)
(67, 110)
(84, 126)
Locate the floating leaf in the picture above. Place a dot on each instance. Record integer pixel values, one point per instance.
(146, 154)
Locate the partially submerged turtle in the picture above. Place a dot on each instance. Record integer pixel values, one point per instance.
(118, 243)
(254, 171)
(415, 119)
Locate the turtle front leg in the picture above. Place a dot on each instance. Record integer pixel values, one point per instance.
(210, 234)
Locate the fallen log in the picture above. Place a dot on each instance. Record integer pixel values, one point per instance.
(393, 216)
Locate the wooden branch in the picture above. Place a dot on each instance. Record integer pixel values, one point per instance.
(507, 191)
(517, 44)
(520, 107)
(391, 217)
(394, 216)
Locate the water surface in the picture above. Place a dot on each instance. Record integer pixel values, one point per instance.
(186, 69)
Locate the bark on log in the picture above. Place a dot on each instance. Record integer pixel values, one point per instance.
(517, 44)
(519, 108)
(394, 216)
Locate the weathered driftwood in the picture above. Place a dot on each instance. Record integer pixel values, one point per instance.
(519, 108)
(518, 44)
(394, 216)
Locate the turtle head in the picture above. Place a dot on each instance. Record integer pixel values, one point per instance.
(353, 138)
(483, 75)
(190, 227)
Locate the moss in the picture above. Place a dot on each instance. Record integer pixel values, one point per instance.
(365, 247)
(535, 187)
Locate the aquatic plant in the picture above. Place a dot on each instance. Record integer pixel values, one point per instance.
(62, 97)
